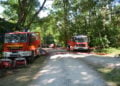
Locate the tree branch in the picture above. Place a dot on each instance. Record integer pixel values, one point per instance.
(22, 14)
(39, 10)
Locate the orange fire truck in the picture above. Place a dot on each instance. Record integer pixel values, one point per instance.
(78, 42)
(21, 44)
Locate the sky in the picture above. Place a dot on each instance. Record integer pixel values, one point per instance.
(1, 9)
(48, 4)
(117, 2)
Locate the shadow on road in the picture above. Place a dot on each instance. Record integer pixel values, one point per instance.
(23, 76)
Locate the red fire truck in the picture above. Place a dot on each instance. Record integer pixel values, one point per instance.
(21, 44)
(79, 42)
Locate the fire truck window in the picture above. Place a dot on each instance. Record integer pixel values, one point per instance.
(33, 37)
(36, 36)
(82, 39)
(15, 38)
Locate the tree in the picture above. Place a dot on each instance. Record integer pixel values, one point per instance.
(22, 12)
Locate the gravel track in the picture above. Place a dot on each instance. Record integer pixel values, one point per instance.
(65, 70)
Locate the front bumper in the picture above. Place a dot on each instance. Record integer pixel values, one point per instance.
(18, 53)
(80, 48)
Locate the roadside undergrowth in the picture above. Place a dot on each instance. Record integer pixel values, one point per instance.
(112, 76)
(107, 50)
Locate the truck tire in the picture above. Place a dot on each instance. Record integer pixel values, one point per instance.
(29, 60)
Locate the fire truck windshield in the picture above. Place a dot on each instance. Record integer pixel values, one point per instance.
(83, 39)
(15, 38)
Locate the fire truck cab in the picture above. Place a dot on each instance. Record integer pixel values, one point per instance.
(21, 44)
(78, 42)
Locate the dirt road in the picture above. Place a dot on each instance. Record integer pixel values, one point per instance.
(64, 69)
(60, 68)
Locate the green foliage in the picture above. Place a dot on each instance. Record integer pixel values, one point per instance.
(22, 12)
(48, 39)
(6, 26)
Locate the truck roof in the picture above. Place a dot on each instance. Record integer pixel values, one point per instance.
(19, 32)
(79, 36)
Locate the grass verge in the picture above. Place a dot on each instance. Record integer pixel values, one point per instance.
(108, 50)
(112, 76)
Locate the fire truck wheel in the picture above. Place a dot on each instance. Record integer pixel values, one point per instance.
(29, 59)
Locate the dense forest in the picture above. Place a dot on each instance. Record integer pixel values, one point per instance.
(98, 19)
